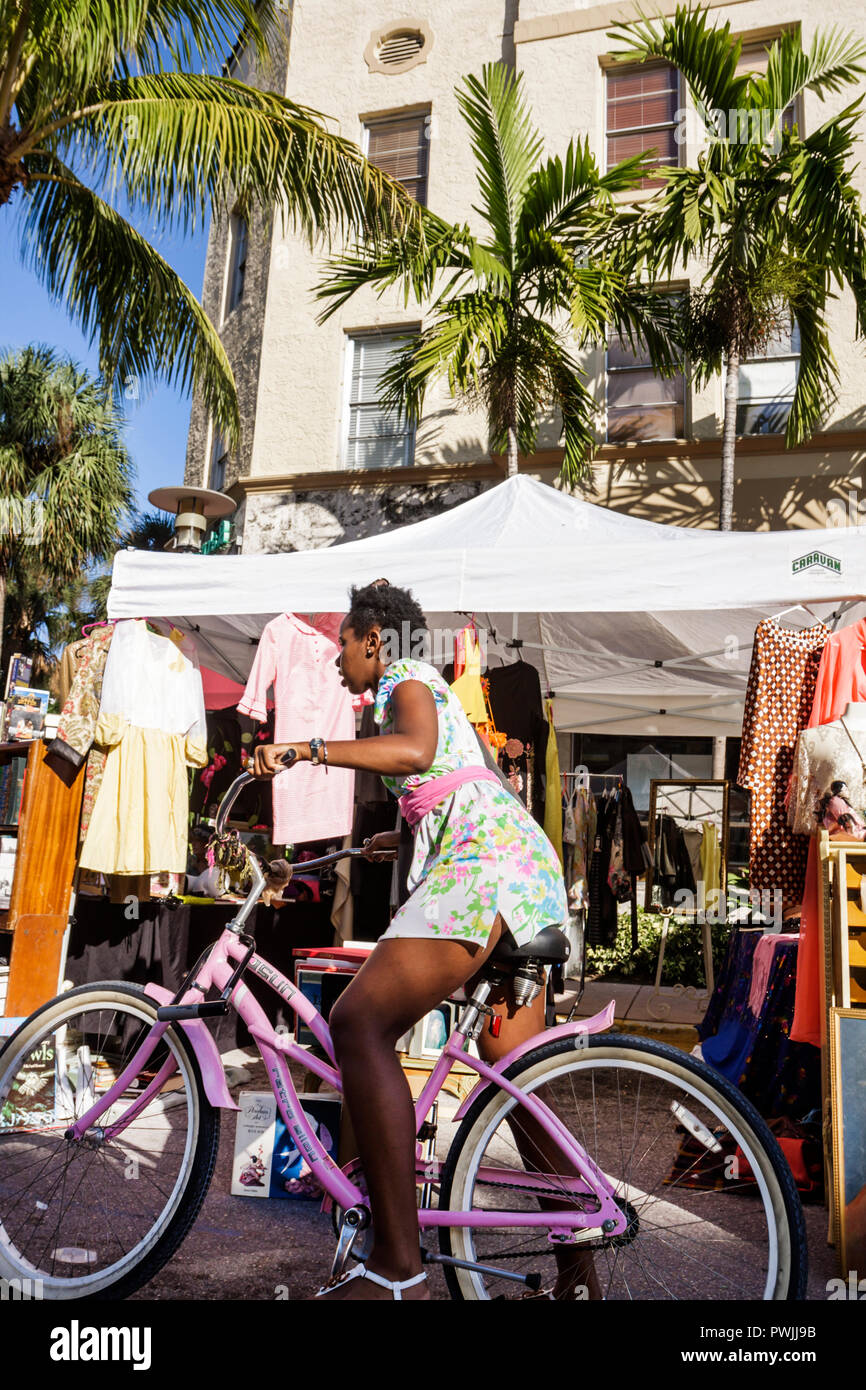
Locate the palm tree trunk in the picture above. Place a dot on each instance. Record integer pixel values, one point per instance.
(2, 612)
(729, 441)
(511, 469)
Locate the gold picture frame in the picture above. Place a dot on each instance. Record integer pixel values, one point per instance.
(848, 1092)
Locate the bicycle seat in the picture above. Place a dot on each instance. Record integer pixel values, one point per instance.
(550, 946)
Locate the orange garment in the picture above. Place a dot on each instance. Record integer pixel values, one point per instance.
(841, 681)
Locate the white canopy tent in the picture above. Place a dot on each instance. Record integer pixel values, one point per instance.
(636, 628)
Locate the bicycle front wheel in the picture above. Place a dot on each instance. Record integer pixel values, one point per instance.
(98, 1218)
(713, 1211)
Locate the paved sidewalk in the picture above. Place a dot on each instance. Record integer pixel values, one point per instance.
(670, 1014)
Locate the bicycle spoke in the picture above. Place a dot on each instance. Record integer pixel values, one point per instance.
(72, 1210)
(680, 1240)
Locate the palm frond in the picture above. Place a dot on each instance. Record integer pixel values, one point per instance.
(835, 60)
(124, 293)
(413, 261)
(507, 148)
(180, 145)
(817, 372)
(69, 46)
(706, 55)
(651, 322)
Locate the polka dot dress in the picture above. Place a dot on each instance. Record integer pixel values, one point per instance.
(779, 694)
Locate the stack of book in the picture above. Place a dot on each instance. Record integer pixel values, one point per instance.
(8, 848)
(11, 788)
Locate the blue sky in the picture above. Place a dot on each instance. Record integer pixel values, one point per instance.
(157, 425)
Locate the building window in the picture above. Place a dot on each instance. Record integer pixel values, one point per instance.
(399, 145)
(218, 463)
(238, 239)
(641, 109)
(767, 384)
(640, 403)
(376, 438)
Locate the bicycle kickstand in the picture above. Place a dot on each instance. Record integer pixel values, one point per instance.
(355, 1220)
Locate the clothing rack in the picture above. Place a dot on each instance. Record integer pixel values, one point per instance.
(693, 786)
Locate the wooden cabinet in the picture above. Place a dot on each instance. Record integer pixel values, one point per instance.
(42, 888)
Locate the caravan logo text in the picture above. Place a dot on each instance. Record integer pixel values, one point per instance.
(817, 557)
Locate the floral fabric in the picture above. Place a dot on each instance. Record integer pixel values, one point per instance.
(477, 853)
(77, 727)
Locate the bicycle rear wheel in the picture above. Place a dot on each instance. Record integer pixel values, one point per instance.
(97, 1219)
(712, 1206)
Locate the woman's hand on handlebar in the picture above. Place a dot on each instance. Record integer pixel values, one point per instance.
(268, 757)
(382, 846)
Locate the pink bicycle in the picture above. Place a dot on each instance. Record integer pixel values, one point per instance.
(663, 1176)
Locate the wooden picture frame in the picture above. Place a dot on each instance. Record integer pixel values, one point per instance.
(662, 788)
(848, 1100)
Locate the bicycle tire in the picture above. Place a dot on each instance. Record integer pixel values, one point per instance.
(38, 1138)
(638, 1057)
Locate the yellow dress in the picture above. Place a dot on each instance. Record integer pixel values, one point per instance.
(553, 788)
(467, 687)
(711, 865)
(152, 724)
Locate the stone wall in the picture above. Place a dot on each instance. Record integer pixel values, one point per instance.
(275, 521)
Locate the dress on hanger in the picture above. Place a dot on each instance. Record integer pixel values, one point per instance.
(779, 695)
(515, 703)
(77, 726)
(841, 681)
(310, 802)
(552, 794)
(711, 865)
(152, 723)
(585, 814)
(467, 685)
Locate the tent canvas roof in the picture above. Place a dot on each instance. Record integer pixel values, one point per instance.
(597, 597)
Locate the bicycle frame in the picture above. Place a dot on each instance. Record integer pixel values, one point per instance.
(234, 953)
(278, 1049)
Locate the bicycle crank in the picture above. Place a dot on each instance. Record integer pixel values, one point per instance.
(355, 1221)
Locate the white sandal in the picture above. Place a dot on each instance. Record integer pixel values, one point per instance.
(362, 1272)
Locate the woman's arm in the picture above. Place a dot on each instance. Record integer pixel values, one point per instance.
(411, 747)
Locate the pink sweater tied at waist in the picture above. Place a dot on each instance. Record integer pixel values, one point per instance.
(415, 804)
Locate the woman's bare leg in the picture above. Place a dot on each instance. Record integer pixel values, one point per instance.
(401, 982)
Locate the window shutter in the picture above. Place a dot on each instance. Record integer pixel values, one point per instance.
(377, 438)
(399, 147)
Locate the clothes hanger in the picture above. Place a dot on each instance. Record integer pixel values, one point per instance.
(793, 627)
(105, 622)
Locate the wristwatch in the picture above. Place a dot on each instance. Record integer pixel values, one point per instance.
(318, 751)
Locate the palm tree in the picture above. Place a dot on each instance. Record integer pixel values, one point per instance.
(772, 216)
(86, 104)
(67, 476)
(551, 272)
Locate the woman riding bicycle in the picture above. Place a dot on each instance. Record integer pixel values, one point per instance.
(481, 866)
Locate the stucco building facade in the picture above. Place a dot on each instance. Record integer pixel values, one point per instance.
(318, 463)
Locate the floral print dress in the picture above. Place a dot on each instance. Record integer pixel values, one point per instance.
(478, 852)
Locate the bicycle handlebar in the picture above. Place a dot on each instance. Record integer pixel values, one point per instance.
(231, 796)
